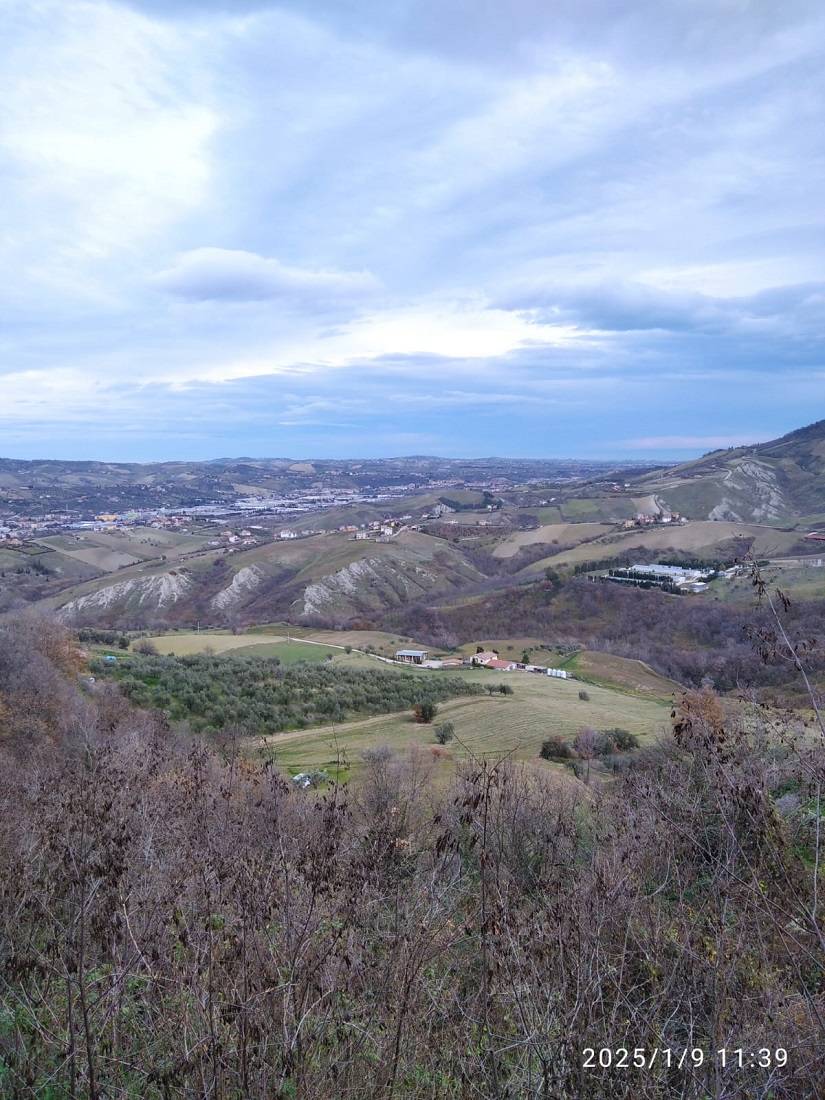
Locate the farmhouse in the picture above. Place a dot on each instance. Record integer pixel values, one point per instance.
(411, 656)
(501, 666)
(483, 657)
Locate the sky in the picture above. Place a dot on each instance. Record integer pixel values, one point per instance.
(363, 228)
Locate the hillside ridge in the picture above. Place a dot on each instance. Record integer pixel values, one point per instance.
(775, 481)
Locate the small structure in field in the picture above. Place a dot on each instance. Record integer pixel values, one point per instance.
(411, 656)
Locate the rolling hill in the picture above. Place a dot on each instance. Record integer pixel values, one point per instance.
(327, 576)
(779, 481)
(459, 541)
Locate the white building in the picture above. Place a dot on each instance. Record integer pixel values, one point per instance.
(675, 573)
(412, 656)
(483, 657)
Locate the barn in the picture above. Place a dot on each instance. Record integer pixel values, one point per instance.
(411, 656)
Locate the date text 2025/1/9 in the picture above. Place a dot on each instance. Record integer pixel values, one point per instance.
(687, 1057)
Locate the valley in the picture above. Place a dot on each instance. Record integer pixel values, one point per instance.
(451, 555)
(351, 541)
(505, 715)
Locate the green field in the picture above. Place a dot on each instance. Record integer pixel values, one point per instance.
(294, 644)
(548, 513)
(511, 649)
(10, 559)
(60, 565)
(281, 639)
(184, 645)
(485, 725)
(621, 673)
(289, 653)
(99, 557)
(288, 650)
(597, 509)
(111, 550)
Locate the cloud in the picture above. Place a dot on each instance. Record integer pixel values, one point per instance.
(234, 275)
(105, 132)
(307, 225)
(628, 307)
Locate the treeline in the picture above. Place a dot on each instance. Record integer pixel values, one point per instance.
(99, 636)
(691, 640)
(178, 922)
(487, 499)
(639, 580)
(256, 695)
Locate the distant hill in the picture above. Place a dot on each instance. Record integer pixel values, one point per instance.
(39, 487)
(782, 480)
(467, 526)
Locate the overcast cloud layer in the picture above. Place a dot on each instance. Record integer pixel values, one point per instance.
(366, 227)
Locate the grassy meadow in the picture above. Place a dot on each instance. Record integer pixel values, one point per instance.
(621, 673)
(485, 725)
(290, 644)
(620, 692)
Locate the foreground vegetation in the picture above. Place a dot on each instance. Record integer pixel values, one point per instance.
(177, 921)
